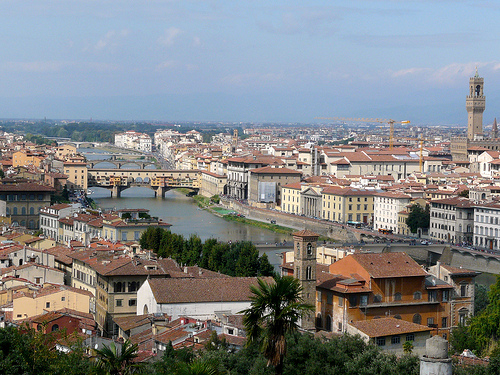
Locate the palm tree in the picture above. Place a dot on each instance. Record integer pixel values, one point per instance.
(117, 362)
(275, 310)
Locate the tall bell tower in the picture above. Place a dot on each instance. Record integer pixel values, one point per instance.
(475, 105)
(304, 245)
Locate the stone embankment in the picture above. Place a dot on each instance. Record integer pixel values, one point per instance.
(341, 233)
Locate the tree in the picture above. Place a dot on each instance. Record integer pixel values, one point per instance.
(418, 218)
(464, 193)
(480, 298)
(275, 310)
(117, 362)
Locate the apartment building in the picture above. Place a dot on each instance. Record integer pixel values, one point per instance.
(452, 220)
(486, 225)
(347, 204)
(386, 206)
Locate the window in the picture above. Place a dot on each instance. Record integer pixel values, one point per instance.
(119, 302)
(132, 302)
(444, 322)
(395, 340)
(397, 317)
(463, 290)
(308, 273)
(309, 249)
(341, 301)
(417, 295)
(410, 337)
(363, 300)
(417, 319)
(397, 297)
(55, 327)
(430, 322)
(63, 299)
(381, 341)
(47, 305)
(432, 296)
(38, 280)
(446, 295)
(329, 298)
(353, 300)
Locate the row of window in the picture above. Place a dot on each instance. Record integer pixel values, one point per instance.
(20, 197)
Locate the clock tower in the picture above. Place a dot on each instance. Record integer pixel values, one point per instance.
(475, 105)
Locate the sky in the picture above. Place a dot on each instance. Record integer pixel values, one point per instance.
(249, 61)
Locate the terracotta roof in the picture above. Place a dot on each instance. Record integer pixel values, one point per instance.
(227, 289)
(305, 233)
(129, 322)
(385, 265)
(271, 170)
(388, 327)
(26, 186)
(455, 271)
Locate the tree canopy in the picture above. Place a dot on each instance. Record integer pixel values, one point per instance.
(418, 218)
(233, 259)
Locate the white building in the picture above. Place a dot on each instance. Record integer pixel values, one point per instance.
(134, 140)
(487, 226)
(452, 220)
(199, 298)
(386, 207)
(49, 218)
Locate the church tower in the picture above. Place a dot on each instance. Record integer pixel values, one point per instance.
(475, 104)
(304, 245)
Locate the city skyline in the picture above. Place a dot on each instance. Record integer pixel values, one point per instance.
(247, 61)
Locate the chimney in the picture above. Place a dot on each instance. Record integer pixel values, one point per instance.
(438, 266)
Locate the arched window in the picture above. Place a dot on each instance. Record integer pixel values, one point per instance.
(14, 211)
(32, 210)
(55, 327)
(377, 298)
(118, 287)
(31, 224)
(319, 321)
(145, 309)
(308, 273)
(397, 316)
(397, 297)
(417, 295)
(298, 248)
(328, 323)
(417, 318)
(23, 211)
(309, 249)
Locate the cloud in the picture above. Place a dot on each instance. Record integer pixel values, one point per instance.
(167, 65)
(55, 66)
(252, 79)
(196, 41)
(448, 74)
(415, 41)
(169, 36)
(310, 21)
(110, 40)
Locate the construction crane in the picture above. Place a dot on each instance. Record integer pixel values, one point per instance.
(381, 121)
(421, 142)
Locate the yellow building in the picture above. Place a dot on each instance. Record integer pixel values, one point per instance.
(25, 158)
(347, 205)
(77, 175)
(51, 298)
(290, 198)
(64, 151)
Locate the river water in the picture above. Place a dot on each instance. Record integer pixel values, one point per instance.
(183, 213)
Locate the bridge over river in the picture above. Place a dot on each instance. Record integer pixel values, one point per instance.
(159, 180)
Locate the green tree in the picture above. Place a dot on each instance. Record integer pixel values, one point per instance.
(464, 193)
(113, 361)
(480, 298)
(275, 310)
(418, 218)
(408, 347)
